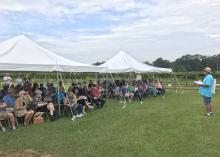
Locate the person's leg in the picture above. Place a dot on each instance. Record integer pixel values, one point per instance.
(207, 102)
(209, 108)
(123, 98)
(51, 108)
(102, 102)
(65, 101)
(89, 99)
(26, 117)
(30, 115)
(209, 105)
(127, 97)
(140, 97)
(89, 106)
(1, 126)
(74, 109)
(11, 119)
(131, 96)
(79, 109)
(95, 102)
(120, 96)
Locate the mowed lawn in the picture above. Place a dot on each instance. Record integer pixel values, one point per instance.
(170, 127)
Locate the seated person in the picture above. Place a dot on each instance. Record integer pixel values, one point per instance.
(76, 107)
(84, 98)
(60, 97)
(158, 86)
(138, 92)
(9, 100)
(84, 91)
(45, 105)
(152, 90)
(51, 88)
(117, 92)
(20, 109)
(29, 101)
(84, 102)
(125, 94)
(96, 97)
(6, 115)
(130, 92)
(43, 89)
(163, 87)
(111, 89)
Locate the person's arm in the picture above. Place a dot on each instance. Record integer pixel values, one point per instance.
(20, 106)
(3, 105)
(203, 85)
(74, 99)
(29, 98)
(40, 104)
(206, 83)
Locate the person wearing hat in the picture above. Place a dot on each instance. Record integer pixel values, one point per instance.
(206, 89)
(44, 105)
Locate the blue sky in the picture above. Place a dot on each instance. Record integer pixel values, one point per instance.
(91, 31)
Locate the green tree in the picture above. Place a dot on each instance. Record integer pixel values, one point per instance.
(160, 62)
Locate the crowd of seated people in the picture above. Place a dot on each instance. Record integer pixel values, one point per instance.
(125, 91)
(23, 100)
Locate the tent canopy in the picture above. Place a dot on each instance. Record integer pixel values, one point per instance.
(22, 54)
(122, 62)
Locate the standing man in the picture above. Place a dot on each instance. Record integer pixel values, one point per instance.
(206, 90)
(7, 80)
(19, 81)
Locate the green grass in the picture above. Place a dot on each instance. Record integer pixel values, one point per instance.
(173, 127)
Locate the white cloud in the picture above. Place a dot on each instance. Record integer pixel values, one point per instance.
(63, 7)
(167, 28)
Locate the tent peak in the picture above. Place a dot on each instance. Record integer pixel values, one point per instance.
(21, 36)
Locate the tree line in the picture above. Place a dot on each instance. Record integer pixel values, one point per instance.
(190, 63)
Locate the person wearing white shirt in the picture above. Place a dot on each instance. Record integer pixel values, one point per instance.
(138, 77)
(19, 81)
(7, 79)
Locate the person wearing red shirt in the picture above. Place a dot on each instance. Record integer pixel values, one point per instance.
(96, 97)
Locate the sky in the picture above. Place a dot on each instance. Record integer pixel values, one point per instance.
(95, 30)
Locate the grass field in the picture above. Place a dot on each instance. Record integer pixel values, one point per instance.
(170, 127)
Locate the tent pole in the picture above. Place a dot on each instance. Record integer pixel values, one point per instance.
(112, 77)
(58, 92)
(107, 92)
(176, 80)
(66, 94)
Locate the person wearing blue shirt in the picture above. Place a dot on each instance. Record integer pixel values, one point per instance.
(10, 99)
(60, 96)
(6, 108)
(206, 90)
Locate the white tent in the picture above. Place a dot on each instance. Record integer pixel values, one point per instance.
(22, 54)
(123, 62)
